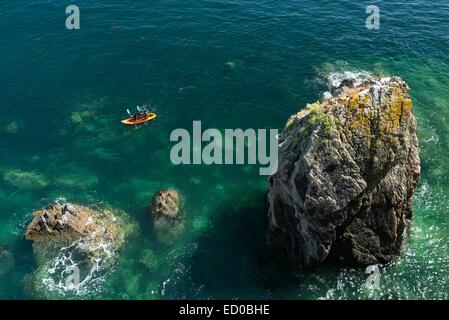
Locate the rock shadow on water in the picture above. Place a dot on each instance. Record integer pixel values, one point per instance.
(230, 259)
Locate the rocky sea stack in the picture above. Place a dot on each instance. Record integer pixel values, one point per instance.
(348, 168)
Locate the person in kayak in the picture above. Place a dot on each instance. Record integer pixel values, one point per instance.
(143, 114)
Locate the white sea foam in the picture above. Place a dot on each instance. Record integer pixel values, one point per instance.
(57, 278)
(79, 269)
(335, 78)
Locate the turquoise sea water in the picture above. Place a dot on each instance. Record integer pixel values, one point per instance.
(230, 64)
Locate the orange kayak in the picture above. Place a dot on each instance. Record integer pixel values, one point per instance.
(130, 121)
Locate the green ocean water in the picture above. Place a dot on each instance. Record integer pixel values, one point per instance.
(230, 64)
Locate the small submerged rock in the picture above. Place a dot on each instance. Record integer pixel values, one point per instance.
(26, 180)
(201, 223)
(7, 261)
(12, 127)
(149, 259)
(78, 180)
(76, 118)
(166, 204)
(133, 284)
(230, 65)
(167, 216)
(105, 154)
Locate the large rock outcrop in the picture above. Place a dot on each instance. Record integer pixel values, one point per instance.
(348, 167)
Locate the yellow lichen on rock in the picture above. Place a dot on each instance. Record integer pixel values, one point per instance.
(366, 99)
(360, 122)
(289, 124)
(399, 110)
(407, 106)
(354, 101)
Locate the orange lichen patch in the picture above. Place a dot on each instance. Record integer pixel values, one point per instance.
(406, 109)
(408, 105)
(360, 122)
(354, 101)
(342, 98)
(358, 117)
(400, 109)
(366, 99)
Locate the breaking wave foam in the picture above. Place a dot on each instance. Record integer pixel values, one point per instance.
(331, 77)
(335, 79)
(76, 271)
(71, 273)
